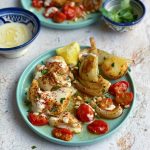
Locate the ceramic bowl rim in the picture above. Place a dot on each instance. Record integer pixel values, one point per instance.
(127, 23)
(21, 10)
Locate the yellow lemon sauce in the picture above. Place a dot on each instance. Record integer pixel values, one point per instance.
(14, 34)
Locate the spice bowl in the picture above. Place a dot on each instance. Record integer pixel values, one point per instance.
(138, 9)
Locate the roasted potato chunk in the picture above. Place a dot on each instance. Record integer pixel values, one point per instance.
(114, 67)
(102, 56)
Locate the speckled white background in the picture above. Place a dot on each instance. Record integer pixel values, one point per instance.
(133, 135)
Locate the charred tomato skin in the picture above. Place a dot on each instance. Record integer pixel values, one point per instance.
(85, 113)
(37, 4)
(69, 11)
(37, 120)
(59, 17)
(98, 127)
(118, 87)
(62, 133)
(124, 98)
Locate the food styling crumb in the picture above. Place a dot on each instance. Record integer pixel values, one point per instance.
(126, 142)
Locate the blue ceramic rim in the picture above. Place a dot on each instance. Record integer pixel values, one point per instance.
(128, 23)
(15, 9)
(61, 142)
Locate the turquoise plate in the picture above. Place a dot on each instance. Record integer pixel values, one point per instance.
(65, 25)
(84, 137)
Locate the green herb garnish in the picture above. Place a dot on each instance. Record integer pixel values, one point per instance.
(27, 103)
(55, 88)
(95, 107)
(78, 64)
(44, 72)
(113, 64)
(42, 62)
(129, 69)
(122, 15)
(61, 100)
(107, 95)
(88, 100)
(119, 73)
(54, 109)
(33, 147)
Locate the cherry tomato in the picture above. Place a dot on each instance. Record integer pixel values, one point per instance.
(62, 133)
(79, 11)
(51, 4)
(37, 3)
(50, 12)
(69, 11)
(118, 87)
(37, 120)
(98, 127)
(85, 113)
(124, 98)
(105, 103)
(59, 17)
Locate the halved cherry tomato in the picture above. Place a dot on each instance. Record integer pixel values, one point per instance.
(124, 98)
(37, 3)
(59, 17)
(118, 87)
(69, 11)
(79, 11)
(51, 4)
(50, 12)
(98, 127)
(62, 133)
(105, 103)
(37, 120)
(85, 113)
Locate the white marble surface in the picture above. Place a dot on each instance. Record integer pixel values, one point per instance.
(133, 135)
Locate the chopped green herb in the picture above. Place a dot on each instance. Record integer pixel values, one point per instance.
(67, 78)
(120, 73)
(25, 93)
(107, 95)
(78, 64)
(27, 103)
(33, 147)
(113, 64)
(61, 100)
(29, 110)
(129, 69)
(55, 88)
(98, 117)
(95, 107)
(44, 72)
(42, 62)
(76, 94)
(54, 109)
(88, 100)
